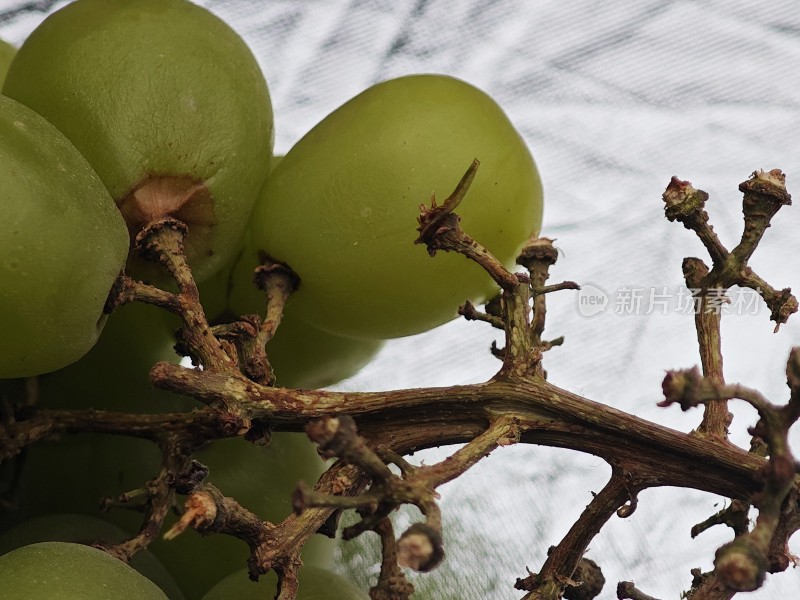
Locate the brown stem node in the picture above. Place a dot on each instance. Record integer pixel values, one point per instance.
(201, 511)
(764, 195)
(420, 548)
(186, 482)
(278, 273)
(150, 241)
(334, 435)
(471, 313)
(587, 581)
(436, 218)
(627, 591)
(685, 204)
(538, 250)
(734, 516)
(741, 565)
(682, 387)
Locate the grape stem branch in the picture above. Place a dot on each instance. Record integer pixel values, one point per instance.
(518, 405)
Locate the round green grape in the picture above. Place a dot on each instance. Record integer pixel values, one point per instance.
(306, 357)
(62, 246)
(315, 584)
(261, 479)
(67, 571)
(114, 376)
(166, 102)
(82, 529)
(7, 52)
(341, 207)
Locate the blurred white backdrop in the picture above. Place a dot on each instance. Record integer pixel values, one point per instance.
(613, 99)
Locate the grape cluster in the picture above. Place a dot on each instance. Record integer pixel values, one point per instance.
(117, 114)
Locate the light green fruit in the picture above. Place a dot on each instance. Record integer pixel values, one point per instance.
(315, 584)
(301, 355)
(6, 54)
(114, 375)
(341, 208)
(74, 472)
(261, 479)
(66, 571)
(71, 473)
(168, 105)
(306, 357)
(82, 529)
(62, 246)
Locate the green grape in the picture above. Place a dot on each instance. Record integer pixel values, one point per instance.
(301, 355)
(114, 376)
(7, 52)
(62, 246)
(168, 105)
(67, 571)
(315, 584)
(83, 529)
(304, 356)
(341, 207)
(261, 479)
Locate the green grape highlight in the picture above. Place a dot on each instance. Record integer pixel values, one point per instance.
(62, 246)
(82, 529)
(67, 571)
(315, 584)
(341, 207)
(169, 106)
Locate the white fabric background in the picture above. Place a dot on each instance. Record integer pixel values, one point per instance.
(613, 98)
